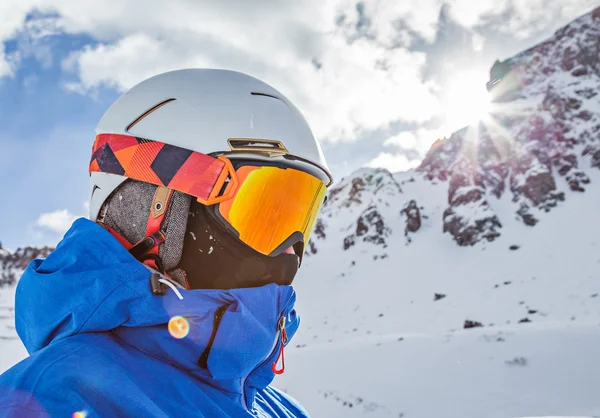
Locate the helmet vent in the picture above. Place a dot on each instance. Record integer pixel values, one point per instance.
(265, 95)
(147, 112)
(269, 147)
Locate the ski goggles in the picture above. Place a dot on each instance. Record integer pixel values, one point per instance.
(269, 208)
(273, 208)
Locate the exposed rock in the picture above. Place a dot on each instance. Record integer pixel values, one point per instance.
(366, 196)
(361, 227)
(348, 242)
(436, 165)
(413, 217)
(517, 361)
(470, 232)
(526, 217)
(533, 180)
(472, 324)
(319, 230)
(312, 248)
(317, 234)
(579, 71)
(361, 188)
(358, 185)
(576, 179)
(373, 229)
(596, 159)
(12, 265)
(586, 93)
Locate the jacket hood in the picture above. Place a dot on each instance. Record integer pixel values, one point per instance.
(91, 284)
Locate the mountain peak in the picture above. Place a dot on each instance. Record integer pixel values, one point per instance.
(538, 142)
(362, 188)
(539, 146)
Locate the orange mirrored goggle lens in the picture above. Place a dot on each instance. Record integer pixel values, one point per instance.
(271, 204)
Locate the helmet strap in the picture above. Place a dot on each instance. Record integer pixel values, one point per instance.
(146, 250)
(116, 235)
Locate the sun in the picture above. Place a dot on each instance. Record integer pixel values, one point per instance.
(466, 100)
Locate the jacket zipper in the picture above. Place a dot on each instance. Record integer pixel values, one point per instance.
(203, 359)
(280, 328)
(284, 340)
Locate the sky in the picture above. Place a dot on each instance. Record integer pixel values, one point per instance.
(378, 81)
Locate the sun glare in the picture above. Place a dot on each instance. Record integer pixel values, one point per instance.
(466, 101)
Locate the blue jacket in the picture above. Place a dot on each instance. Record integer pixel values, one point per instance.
(99, 341)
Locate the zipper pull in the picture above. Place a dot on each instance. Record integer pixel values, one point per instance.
(284, 340)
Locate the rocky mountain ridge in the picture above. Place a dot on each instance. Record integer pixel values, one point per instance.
(12, 264)
(540, 144)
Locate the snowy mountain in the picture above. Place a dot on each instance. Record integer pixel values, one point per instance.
(540, 141)
(469, 287)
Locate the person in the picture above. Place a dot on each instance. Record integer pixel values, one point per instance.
(174, 298)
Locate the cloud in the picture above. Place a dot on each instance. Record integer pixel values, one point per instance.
(58, 221)
(13, 15)
(418, 140)
(381, 19)
(140, 56)
(5, 67)
(405, 140)
(478, 42)
(356, 87)
(367, 76)
(393, 162)
(520, 18)
(349, 66)
(32, 38)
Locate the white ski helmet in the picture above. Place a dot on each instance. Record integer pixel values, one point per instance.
(205, 110)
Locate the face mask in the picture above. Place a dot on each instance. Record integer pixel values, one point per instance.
(213, 258)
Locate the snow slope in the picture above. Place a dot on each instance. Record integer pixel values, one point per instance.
(373, 330)
(534, 372)
(400, 321)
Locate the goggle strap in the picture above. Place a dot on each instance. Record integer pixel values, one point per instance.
(227, 173)
(190, 172)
